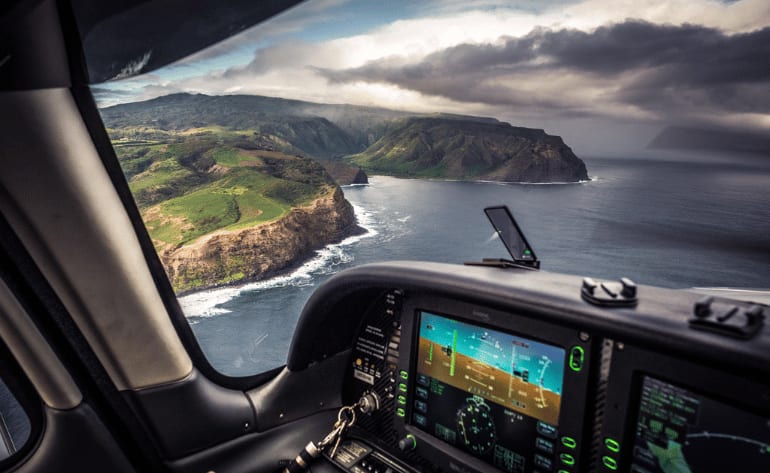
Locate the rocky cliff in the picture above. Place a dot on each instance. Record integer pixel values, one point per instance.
(250, 254)
(379, 140)
(344, 174)
(471, 149)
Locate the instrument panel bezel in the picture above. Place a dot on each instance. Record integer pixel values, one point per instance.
(574, 412)
(630, 364)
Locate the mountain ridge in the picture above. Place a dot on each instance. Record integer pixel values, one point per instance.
(357, 134)
(472, 150)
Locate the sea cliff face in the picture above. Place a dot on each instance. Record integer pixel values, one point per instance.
(344, 174)
(250, 254)
(471, 149)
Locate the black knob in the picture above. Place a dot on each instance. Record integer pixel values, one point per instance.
(755, 312)
(703, 307)
(629, 288)
(407, 443)
(589, 285)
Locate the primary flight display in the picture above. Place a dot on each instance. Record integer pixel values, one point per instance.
(491, 393)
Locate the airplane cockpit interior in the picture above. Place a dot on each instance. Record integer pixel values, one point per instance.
(490, 365)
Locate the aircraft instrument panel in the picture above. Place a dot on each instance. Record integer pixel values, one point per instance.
(469, 387)
(490, 393)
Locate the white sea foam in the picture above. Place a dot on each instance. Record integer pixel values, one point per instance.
(557, 183)
(207, 303)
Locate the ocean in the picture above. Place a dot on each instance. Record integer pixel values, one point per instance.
(671, 221)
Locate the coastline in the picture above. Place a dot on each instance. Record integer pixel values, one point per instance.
(299, 262)
(235, 257)
(202, 303)
(482, 181)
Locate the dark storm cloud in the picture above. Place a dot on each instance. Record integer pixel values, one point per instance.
(654, 67)
(702, 55)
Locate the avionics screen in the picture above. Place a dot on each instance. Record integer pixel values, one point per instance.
(492, 394)
(679, 430)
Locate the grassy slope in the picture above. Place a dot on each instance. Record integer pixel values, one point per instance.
(428, 147)
(467, 148)
(191, 183)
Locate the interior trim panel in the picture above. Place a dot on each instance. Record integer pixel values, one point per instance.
(77, 232)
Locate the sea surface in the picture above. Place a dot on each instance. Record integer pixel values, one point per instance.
(672, 221)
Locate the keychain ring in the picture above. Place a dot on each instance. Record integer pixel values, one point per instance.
(349, 412)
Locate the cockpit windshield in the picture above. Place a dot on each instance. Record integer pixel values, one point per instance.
(630, 139)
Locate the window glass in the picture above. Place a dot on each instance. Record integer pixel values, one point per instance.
(14, 423)
(627, 139)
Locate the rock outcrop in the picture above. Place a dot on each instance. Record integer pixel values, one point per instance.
(471, 149)
(250, 254)
(344, 174)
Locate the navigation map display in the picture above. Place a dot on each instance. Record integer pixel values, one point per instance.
(681, 431)
(493, 394)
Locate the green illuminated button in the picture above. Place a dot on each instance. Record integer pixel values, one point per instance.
(401, 399)
(563, 471)
(610, 463)
(568, 442)
(404, 375)
(576, 358)
(567, 459)
(401, 412)
(612, 445)
(402, 387)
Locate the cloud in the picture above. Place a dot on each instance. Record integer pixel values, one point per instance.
(733, 17)
(294, 20)
(633, 67)
(542, 64)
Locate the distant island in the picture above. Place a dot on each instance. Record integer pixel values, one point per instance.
(471, 149)
(710, 140)
(238, 188)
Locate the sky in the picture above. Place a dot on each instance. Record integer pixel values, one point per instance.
(607, 75)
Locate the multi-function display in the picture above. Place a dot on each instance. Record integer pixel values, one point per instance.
(678, 430)
(493, 394)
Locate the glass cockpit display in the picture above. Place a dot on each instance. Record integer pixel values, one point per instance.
(492, 394)
(680, 431)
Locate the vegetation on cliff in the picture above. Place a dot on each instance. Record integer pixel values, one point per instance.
(462, 148)
(377, 140)
(236, 188)
(191, 185)
(257, 252)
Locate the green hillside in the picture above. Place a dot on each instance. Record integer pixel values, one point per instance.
(316, 130)
(377, 140)
(465, 149)
(191, 183)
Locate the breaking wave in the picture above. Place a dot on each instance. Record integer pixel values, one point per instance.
(207, 303)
